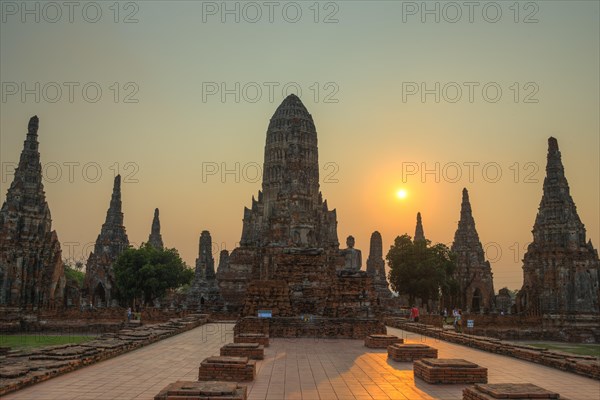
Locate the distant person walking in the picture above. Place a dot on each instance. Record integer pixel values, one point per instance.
(129, 314)
(457, 320)
(414, 314)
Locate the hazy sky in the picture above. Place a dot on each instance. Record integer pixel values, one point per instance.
(186, 91)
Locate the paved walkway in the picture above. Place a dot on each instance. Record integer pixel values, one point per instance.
(308, 369)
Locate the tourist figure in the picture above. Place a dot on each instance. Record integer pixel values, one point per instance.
(414, 313)
(458, 321)
(129, 314)
(456, 318)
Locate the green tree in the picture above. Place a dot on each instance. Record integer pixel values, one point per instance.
(148, 273)
(74, 272)
(419, 269)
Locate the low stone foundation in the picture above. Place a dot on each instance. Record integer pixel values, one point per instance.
(381, 341)
(447, 370)
(211, 390)
(253, 351)
(516, 391)
(230, 369)
(411, 352)
(579, 364)
(312, 327)
(252, 338)
(21, 368)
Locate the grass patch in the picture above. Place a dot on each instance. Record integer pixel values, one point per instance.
(575, 348)
(30, 341)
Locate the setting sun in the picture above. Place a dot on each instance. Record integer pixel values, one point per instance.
(401, 194)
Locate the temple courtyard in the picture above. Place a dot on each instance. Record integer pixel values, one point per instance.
(296, 369)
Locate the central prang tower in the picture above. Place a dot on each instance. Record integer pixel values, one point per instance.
(289, 260)
(290, 210)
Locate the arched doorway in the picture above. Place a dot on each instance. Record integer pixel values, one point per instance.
(476, 302)
(99, 296)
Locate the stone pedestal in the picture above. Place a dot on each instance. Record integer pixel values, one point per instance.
(410, 352)
(253, 351)
(212, 390)
(230, 369)
(447, 370)
(381, 341)
(252, 338)
(516, 391)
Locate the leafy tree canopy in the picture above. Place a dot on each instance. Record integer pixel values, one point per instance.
(420, 269)
(148, 273)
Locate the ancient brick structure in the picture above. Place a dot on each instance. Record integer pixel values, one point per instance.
(504, 301)
(410, 352)
(254, 351)
(473, 272)
(199, 390)
(448, 370)
(204, 292)
(419, 232)
(515, 391)
(376, 266)
(378, 341)
(289, 235)
(259, 338)
(560, 269)
(230, 369)
(155, 238)
(99, 284)
(31, 267)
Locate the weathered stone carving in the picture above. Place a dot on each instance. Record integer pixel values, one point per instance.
(155, 238)
(473, 272)
(560, 269)
(352, 256)
(376, 266)
(31, 267)
(99, 284)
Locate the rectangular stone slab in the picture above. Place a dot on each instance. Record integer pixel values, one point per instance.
(449, 363)
(208, 390)
(512, 391)
(226, 360)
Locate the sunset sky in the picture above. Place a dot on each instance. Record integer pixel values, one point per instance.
(361, 68)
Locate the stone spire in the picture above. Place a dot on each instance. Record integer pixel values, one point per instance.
(223, 262)
(560, 269)
(419, 233)
(204, 291)
(99, 283)
(205, 263)
(31, 268)
(473, 272)
(557, 222)
(376, 265)
(155, 238)
(290, 209)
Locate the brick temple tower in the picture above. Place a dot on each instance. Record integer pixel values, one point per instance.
(560, 269)
(31, 267)
(99, 283)
(473, 272)
(289, 259)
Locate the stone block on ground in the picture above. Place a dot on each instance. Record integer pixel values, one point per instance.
(410, 352)
(230, 369)
(208, 390)
(254, 351)
(449, 370)
(252, 338)
(515, 391)
(381, 341)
